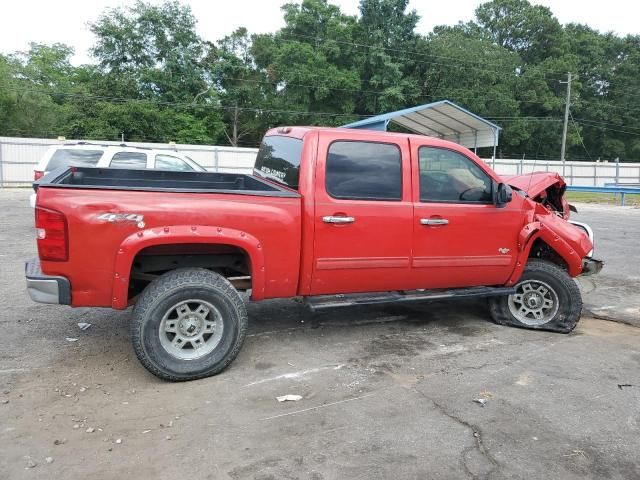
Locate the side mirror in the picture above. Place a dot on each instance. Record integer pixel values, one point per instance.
(503, 195)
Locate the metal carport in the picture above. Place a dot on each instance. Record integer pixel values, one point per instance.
(443, 119)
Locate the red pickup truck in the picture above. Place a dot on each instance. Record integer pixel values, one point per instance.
(337, 216)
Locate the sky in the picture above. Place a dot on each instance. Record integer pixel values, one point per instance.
(66, 21)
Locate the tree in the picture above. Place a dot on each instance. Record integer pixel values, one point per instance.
(529, 30)
(310, 62)
(386, 63)
(152, 52)
(241, 87)
(33, 85)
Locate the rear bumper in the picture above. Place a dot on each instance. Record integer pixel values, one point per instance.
(46, 288)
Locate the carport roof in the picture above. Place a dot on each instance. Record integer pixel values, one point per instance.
(443, 119)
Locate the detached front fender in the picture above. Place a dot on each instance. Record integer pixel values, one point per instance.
(568, 241)
(181, 234)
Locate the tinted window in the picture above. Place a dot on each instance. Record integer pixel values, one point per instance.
(279, 159)
(364, 170)
(447, 176)
(67, 157)
(132, 160)
(169, 162)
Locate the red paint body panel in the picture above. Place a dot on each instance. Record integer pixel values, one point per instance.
(534, 183)
(373, 253)
(244, 221)
(293, 252)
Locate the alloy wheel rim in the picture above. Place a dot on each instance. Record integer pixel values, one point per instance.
(191, 329)
(534, 303)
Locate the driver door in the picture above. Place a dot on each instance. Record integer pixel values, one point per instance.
(460, 238)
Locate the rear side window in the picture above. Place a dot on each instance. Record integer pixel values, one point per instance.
(364, 171)
(131, 160)
(72, 157)
(169, 162)
(279, 159)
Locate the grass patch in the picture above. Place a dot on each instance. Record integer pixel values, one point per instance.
(606, 198)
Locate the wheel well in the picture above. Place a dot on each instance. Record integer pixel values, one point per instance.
(541, 249)
(230, 261)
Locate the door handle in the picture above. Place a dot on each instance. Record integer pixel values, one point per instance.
(434, 221)
(336, 219)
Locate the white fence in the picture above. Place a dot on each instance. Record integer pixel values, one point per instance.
(19, 156)
(589, 174)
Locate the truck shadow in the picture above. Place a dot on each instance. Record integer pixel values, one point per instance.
(465, 317)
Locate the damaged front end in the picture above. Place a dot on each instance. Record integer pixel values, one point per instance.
(549, 233)
(545, 188)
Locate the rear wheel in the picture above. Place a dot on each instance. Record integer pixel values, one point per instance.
(190, 323)
(546, 298)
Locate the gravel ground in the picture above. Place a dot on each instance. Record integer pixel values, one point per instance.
(387, 391)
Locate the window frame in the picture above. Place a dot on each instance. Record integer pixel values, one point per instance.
(155, 163)
(463, 202)
(361, 199)
(280, 182)
(121, 152)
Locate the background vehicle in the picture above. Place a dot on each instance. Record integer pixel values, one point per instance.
(94, 155)
(338, 216)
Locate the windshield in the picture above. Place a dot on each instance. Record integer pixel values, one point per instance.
(279, 159)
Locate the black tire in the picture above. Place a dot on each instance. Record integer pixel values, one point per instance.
(548, 276)
(158, 302)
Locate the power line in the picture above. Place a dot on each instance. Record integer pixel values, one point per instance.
(582, 122)
(378, 92)
(579, 136)
(189, 104)
(526, 119)
(413, 52)
(605, 123)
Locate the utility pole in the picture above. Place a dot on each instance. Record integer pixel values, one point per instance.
(566, 121)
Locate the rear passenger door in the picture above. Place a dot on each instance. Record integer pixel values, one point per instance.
(363, 215)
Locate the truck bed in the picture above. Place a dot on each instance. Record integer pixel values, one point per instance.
(163, 181)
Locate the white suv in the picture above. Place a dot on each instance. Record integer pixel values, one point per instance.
(105, 156)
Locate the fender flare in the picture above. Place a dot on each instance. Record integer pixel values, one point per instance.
(528, 235)
(142, 239)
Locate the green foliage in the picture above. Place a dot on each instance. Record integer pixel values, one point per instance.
(156, 79)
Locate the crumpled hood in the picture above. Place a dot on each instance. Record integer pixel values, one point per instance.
(534, 183)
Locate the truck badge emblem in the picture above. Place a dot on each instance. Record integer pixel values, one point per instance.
(122, 218)
(503, 250)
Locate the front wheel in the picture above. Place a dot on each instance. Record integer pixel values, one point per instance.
(546, 298)
(189, 323)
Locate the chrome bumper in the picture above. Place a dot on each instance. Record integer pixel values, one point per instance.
(589, 231)
(46, 288)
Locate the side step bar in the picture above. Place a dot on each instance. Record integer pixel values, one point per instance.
(324, 302)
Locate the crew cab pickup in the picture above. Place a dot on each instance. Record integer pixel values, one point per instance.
(336, 216)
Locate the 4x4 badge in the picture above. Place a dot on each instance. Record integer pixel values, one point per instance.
(136, 218)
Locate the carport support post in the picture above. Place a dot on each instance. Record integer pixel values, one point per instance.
(495, 145)
(1, 167)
